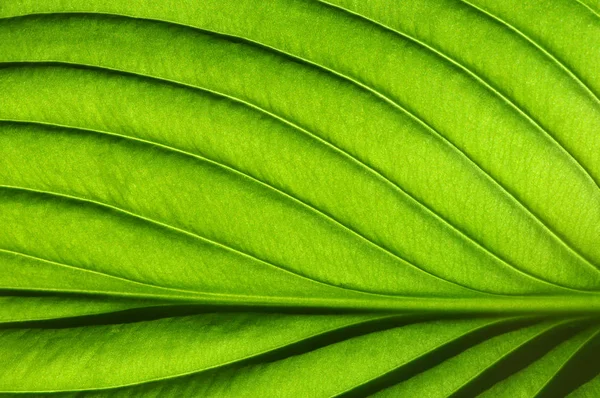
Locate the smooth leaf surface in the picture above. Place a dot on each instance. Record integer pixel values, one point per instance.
(299, 198)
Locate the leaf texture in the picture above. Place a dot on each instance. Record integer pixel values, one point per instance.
(299, 198)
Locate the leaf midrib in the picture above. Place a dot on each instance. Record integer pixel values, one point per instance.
(559, 305)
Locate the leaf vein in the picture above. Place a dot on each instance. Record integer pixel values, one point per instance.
(480, 79)
(379, 174)
(295, 199)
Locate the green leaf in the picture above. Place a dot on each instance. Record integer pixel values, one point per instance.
(298, 198)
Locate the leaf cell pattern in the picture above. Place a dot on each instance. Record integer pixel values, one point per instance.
(300, 198)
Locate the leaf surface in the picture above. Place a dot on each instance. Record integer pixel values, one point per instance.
(299, 198)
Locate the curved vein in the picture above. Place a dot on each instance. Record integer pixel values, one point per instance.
(509, 26)
(429, 352)
(240, 174)
(479, 79)
(329, 145)
(577, 350)
(352, 157)
(590, 9)
(203, 239)
(87, 270)
(514, 349)
(230, 362)
(296, 200)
